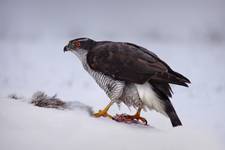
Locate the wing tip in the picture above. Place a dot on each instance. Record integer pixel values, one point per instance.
(182, 79)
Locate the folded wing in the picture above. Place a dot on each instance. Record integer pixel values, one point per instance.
(131, 63)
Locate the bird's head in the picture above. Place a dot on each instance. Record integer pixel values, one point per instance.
(79, 44)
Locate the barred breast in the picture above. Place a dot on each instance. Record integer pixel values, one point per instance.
(113, 88)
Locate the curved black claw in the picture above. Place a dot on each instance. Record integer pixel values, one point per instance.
(143, 120)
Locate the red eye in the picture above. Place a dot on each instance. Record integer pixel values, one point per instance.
(77, 44)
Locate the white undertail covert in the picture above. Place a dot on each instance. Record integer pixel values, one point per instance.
(149, 98)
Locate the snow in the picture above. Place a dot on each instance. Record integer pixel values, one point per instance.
(189, 35)
(24, 126)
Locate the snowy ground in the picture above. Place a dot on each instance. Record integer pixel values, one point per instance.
(189, 35)
(24, 126)
(43, 66)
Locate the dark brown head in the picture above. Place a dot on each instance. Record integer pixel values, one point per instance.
(80, 43)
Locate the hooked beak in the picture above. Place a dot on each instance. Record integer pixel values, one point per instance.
(65, 49)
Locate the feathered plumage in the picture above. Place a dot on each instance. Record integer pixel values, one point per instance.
(130, 73)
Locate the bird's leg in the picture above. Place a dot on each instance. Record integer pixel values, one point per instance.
(104, 112)
(131, 118)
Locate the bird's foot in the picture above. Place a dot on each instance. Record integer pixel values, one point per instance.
(102, 113)
(130, 118)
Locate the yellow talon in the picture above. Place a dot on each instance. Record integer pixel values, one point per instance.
(103, 113)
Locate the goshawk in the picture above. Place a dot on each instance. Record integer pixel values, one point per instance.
(130, 74)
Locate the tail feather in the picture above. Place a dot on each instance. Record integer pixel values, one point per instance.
(172, 115)
(174, 119)
(161, 90)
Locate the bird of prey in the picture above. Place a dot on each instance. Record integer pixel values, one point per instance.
(129, 74)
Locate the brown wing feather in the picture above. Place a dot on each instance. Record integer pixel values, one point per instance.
(130, 63)
(123, 62)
